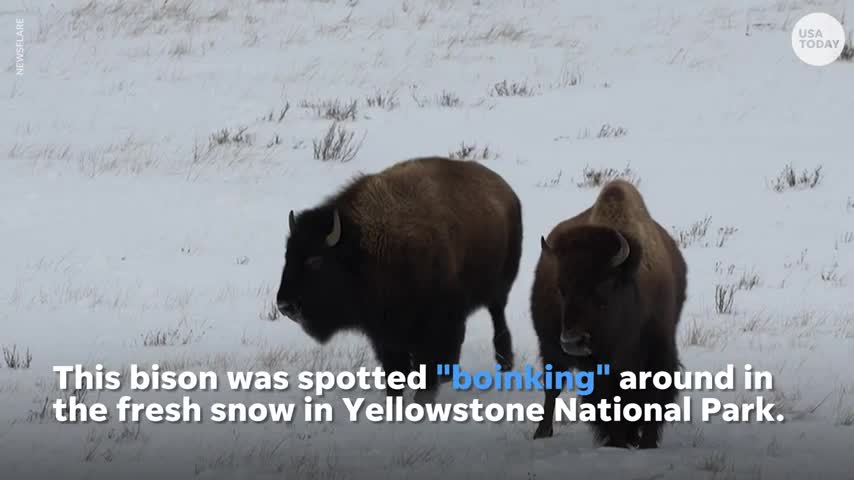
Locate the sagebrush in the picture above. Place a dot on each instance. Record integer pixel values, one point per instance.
(338, 144)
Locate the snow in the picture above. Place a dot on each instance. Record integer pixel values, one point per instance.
(121, 221)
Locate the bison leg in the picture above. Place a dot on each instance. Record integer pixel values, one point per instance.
(634, 434)
(618, 434)
(664, 357)
(438, 348)
(546, 427)
(650, 434)
(392, 360)
(501, 339)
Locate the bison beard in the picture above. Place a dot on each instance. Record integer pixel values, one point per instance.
(609, 289)
(405, 256)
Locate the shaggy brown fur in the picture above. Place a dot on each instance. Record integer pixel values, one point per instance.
(423, 244)
(624, 315)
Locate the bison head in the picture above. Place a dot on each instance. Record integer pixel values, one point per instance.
(596, 287)
(318, 285)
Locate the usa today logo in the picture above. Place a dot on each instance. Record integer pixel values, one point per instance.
(818, 39)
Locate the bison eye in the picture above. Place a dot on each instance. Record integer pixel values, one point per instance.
(314, 262)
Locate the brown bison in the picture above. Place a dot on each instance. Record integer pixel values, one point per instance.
(609, 289)
(405, 256)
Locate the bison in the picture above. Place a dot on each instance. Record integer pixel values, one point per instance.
(405, 256)
(609, 289)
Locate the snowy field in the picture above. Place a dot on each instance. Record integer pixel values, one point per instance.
(152, 150)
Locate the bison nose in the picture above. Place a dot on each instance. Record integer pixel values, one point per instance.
(575, 343)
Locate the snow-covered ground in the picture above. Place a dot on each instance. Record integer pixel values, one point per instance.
(134, 230)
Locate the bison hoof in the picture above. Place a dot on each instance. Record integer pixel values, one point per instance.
(505, 362)
(616, 444)
(543, 431)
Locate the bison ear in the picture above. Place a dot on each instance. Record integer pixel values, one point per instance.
(291, 222)
(335, 235)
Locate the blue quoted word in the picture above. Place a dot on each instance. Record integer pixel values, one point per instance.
(528, 379)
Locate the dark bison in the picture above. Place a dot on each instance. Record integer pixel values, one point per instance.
(609, 289)
(405, 256)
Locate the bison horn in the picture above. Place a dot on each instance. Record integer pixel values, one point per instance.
(335, 234)
(291, 222)
(544, 244)
(623, 253)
